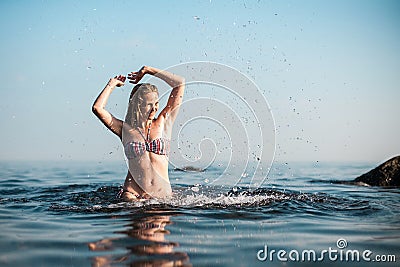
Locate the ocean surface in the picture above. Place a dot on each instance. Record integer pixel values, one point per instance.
(66, 214)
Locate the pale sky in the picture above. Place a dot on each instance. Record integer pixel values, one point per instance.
(328, 69)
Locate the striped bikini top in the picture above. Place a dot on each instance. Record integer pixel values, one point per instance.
(158, 146)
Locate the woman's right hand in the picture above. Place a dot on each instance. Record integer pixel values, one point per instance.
(135, 76)
(117, 81)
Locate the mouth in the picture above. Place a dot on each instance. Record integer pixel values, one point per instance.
(152, 114)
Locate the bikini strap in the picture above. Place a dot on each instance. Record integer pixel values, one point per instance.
(148, 133)
(146, 139)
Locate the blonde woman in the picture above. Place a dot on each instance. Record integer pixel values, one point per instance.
(144, 136)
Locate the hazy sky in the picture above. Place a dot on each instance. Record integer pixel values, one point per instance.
(329, 70)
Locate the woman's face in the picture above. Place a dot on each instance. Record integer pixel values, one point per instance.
(149, 106)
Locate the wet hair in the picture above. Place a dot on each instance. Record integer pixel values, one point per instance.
(135, 99)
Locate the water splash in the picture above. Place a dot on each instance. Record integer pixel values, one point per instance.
(102, 199)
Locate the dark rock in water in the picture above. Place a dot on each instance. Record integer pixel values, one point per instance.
(189, 169)
(386, 174)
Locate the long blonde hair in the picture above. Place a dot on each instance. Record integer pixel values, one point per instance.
(137, 95)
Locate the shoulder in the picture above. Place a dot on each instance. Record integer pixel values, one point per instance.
(162, 118)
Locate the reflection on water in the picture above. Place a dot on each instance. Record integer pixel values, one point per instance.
(145, 244)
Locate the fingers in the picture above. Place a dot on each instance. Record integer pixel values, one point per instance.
(134, 77)
(118, 80)
(121, 78)
(133, 80)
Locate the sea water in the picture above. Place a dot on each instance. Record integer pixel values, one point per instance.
(66, 214)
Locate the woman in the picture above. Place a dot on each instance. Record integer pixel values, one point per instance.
(145, 138)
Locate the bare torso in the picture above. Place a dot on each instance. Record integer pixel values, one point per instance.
(148, 172)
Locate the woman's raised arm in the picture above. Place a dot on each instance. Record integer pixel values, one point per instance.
(175, 81)
(98, 108)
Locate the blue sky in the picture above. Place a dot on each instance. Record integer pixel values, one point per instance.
(329, 70)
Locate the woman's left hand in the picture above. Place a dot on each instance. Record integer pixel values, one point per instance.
(136, 76)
